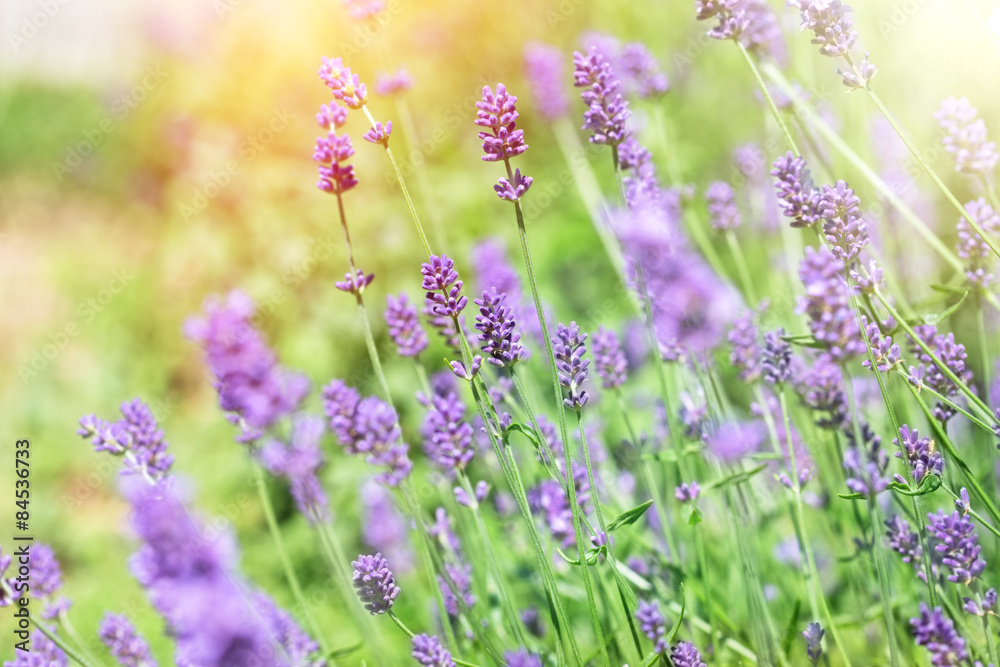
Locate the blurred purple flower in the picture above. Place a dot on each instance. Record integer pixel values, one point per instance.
(544, 66)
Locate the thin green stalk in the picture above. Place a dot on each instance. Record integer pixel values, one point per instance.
(409, 633)
(705, 579)
(984, 350)
(286, 563)
(741, 266)
(402, 186)
(973, 513)
(55, 639)
(770, 101)
(67, 625)
(423, 182)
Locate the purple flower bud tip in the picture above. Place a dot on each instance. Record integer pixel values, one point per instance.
(392, 84)
(498, 114)
(607, 110)
(513, 191)
(345, 86)
(568, 348)
(379, 134)
(443, 287)
(355, 284)
(460, 370)
(687, 492)
(375, 584)
(429, 652)
(496, 327)
(813, 635)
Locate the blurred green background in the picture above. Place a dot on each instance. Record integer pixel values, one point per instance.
(118, 216)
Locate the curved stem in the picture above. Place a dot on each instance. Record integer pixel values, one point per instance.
(770, 101)
(55, 639)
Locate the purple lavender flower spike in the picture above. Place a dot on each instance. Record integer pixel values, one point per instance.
(609, 359)
(966, 137)
(125, 644)
(393, 84)
(287, 634)
(687, 492)
(607, 110)
(428, 651)
(813, 635)
(43, 653)
(299, 463)
(345, 86)
(642, 70)
(971, 247)
(652, 623)
(934, 631)
(498, 113)
(521, 658)
(797, 194)
(46, 580)
(745, 355)
(543, 66)
(920, 454)
(776, 358)
(686, 655)
(461, 577)
(827, 304)
(136, 437)
(331, 152)
(447, 437)
(885, 352)
(252, 387)
(829, 23)
(863, 78)
(549, 500)
(731, 18)
(375, 584)
(444, 289)
(401, 317)
(906, 543)
(569, 347)
(355, 284)
(982, 606)
(331, 116)
(495, 324)
(844, 229)
(512, 191)
(467, 373)
(383, 527)
(927, 373)
(865, 463)
(958, 545)
(824, 393)
(379, 134)
(723, 213)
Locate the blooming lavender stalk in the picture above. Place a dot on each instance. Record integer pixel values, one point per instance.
(813, 635)
(543, 66)
(299, 462)
(972, 248)
(609, 359)
(125, 644)
(845, 231)
(445, 303)
(885, 353)
(827, 304)
(745, 355)
(375, 584)
(865, 462)
(447, 437)
(404, 326)
(831, 28)
(383, 527)
(966, 137)
(958, 545)
(906, 543)
(919, 452)
(569, 347)
(428, 651)
(798, 196)
(686, 655)
(495, 323)
(136, 437)
(521, 658)
(937, 633)
(607, 110)
(824, 392)
(723, 213)
(642, 70)
(332, 151)
(344, 84)
(652, 623)
(776, 358)
(498, 113)
(928, 373)
(46, 581)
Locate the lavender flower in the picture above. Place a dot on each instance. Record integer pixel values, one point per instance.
(459, 587)
(383, 527)
(958, 545)
(331, 116)
(813, 635)
(652, 623)
(379, 134)
(982, 606)
(444, 289)
(521, 658)
(862, 78)
(927, 373)
(686, 655)
(919, 452)
(607, 110)
(429, 652)
(827, 304)
(966, 137)
(687, 493)
(498, 114)
(404, 326)
(568, 346)
(128, 647)
(43, 653)
(513, 190)
(972, 248)
(776, 358)
(722, 211)
(731, 441)
(447, 437)
(844, 229)
(642, 70)
(543, 66)
(299, 463)
(549, 500)
(392, 84)
(331, 151)
(829, 23)
(345, 86)
(906, 543)
(496, 325)
(136, 437)
(865, 462)
(285, 633)
(884, 351)
(355, 284)
(824, 393)
(46, 580)
(729, 14)
(745, 354)
(609, 359)
(797, 194)
(936, 632)
(251, 385)
(375, 584)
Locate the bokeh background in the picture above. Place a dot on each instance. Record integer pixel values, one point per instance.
(152, 154)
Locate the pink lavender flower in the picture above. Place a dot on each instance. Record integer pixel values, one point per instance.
(797, 194)
(495, 324)
(447, 436)
(136, 437)
(920, 454)
(972, 248)
(568, 345)
(498, 113)
(512, 191)
(391, 84)
(331, 116)
(686, 655)
(428, 651)
(379, 134)
(331, 151)
(125, 644)
(252, 387)
(843, 227)
(829, 23)
(607, 110)
(641, 67)
(966, 137)
(827, 305)
(958, 545)
(652, 623)
(687, 492)
(404, 326)
(355, 284)
(609, 359)
(543, 66)
(375, 584)
(934, 631)
(745, 350)
(813, 635)
(299, 463)
(343, 83)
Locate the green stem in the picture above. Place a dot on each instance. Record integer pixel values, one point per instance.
(67, 624)
(770, 101)
(991, 641)
(741, 266)
(54, 638)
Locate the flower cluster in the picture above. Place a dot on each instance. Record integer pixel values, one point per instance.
(609, 359)
(403, 323)
(928, 374)
(343, 83)
(919, 452)
(332, 151)
(128, 647)
(447, 437)
(387, 84)
(652, 624)
(299, 462)
(966, 137)
(933, 630)
(885, 353)
(843, 227)
(495, 324)
(429, 652)
(745, 354)
(375, 583)
(723, 213)
(568, 345)
(136, 437)
(958, 545)
(776, 358)
(972, 248)
(798, 196)
(543, 66)
(607, 110)
(685, 654)
(827, 305)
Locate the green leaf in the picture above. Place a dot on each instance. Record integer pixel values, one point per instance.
(629, 517)
(695, 517)
(735, 478)
(526, 431)
(935, 319)
(592, 555)
(680, 617)
(929, 484)
(852, 496)
(344, 652)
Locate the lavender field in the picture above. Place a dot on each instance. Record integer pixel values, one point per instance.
(588, 333)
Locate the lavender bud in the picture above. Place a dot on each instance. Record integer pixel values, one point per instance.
(375, 584)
